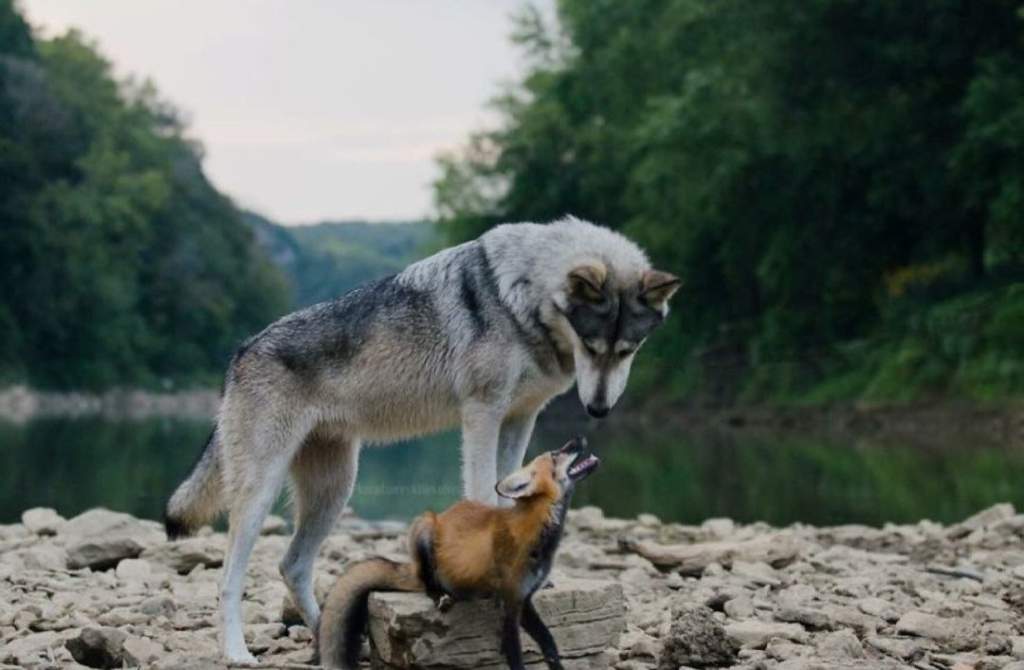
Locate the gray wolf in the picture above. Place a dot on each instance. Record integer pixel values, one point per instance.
(481, 335)
(471, 549)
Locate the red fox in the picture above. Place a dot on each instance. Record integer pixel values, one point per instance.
(471, 549)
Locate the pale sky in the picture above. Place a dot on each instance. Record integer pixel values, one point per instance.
(312, 109)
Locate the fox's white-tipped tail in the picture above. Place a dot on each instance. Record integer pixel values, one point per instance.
(197, 500)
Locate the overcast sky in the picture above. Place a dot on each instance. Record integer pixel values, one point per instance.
(312, 109)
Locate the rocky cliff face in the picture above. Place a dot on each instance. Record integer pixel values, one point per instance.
(105, 590)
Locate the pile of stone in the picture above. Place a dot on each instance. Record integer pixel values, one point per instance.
(105, 590)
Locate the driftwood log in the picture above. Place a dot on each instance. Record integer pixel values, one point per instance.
(691, 559)
(586, 617)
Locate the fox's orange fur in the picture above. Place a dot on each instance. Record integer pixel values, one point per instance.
(470, 548)
(483, 548)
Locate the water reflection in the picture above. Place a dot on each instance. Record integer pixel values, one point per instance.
(74, 464)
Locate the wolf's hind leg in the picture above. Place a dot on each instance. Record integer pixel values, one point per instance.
(323, 476)
(252, 483)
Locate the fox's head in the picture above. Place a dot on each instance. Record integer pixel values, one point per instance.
(610, 314)
(553, 474)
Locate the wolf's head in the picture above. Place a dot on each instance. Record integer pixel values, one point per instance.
(611, 311)
(552, 475)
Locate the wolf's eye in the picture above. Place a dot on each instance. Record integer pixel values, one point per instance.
(626, 353)
(591, 350)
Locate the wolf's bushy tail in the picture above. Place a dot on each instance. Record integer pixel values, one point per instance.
(197, 500)
(340, 634)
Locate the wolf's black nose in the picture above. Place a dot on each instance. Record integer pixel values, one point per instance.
(598, 411)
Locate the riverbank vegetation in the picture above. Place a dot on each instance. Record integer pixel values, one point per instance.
(839, 184)
(120, 262)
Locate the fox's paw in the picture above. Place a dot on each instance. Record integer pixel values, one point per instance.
(444, 603)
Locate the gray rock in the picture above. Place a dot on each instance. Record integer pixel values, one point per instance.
(879, 608)
(841, 644)
(134, 570)
(100, 539)
(44, 557)
(739, 608)
(22, 650)
(927, 625)
(182, 556)
(155, 606)
(719, 529)
(141, 651)
(100, 521)
(42, 521)
(696, 640)
(101, 553)
(983, 519)
(274, 525)
(639, 645)
(906, 648)
(756, 572)
(754, 634)
(406, 630)
(98, 647)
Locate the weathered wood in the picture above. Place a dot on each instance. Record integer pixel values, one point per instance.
(407, 632)
(691, 559)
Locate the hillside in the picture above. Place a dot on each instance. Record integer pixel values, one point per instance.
(324, 260)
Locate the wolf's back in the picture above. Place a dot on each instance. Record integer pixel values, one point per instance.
(197, 500)
(340, 634)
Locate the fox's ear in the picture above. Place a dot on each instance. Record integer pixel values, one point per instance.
(657, 287)
(585, 281)
(519, 484)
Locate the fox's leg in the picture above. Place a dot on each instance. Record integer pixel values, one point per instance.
(481, 424)
(323, 476)
(511, 645)
(421, 547)
(257, 451)
(541, 635)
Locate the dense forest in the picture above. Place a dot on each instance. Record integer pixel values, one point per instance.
(121, 264)
(840, 183)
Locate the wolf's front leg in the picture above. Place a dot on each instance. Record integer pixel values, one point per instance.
(481, 425)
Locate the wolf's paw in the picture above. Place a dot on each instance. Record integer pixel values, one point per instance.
(240, 658)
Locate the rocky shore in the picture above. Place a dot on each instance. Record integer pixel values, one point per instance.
(104, 589)
(20, 404)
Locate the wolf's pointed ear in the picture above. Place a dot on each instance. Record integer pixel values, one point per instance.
(657, 287)
(585, 281)
(519, 484)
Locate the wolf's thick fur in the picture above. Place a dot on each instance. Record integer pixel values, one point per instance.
(483, 334)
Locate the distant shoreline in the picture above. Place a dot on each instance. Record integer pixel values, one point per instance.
(933, 422)
(19, 403)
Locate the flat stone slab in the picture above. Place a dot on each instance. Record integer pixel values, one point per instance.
(585, 616)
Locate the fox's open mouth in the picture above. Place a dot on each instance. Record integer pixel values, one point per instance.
(583, 466)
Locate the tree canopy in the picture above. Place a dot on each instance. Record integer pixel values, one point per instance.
(120, 263)
(802, 164)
